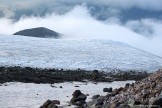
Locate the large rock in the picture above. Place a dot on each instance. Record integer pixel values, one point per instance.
(78, 98)
(45, 105)
(100, 101)
(51, 104)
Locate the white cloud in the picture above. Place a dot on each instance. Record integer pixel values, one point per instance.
(78, 23)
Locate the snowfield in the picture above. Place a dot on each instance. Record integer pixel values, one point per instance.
(30, 95)
(73, 54)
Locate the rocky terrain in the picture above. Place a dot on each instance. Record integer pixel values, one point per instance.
(146, 93)
(38, 75)
(38, 32)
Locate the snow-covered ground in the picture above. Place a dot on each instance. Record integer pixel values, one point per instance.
(29, 95)
(72, 54)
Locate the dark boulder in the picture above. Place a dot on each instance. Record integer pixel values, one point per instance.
(45, 105)
(76, 93)
(99, 103)
(81, 97)
(107, 89)
(78, 98)
(51, 104)
(137, 102)
(127, 85)
(55, 102)
(76, 86)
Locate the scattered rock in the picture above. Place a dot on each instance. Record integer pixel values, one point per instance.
(144, 92)
(99, 104)
(137, 103)
(87, 94)
(95, 83)
(76, 93)
(78, 98)
(107, 89)
(127, 85)
(53, 86)
(56, 102)
(95, 96)
(45, 105)
(51, 104)
(76, 86)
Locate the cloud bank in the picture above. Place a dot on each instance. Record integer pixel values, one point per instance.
(101, 9)
(89, 20)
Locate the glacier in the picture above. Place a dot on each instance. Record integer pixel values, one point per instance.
(86, 54)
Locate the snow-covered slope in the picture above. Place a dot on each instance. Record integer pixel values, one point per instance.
(73, 54)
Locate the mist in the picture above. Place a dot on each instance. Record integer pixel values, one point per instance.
(79, 23)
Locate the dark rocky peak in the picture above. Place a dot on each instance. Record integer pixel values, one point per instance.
(39, 32)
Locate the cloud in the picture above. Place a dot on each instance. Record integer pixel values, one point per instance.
(80, 24)
(6, 11)
(143, 27)
(100, 9)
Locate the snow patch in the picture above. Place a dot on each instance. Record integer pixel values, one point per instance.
(30, 95)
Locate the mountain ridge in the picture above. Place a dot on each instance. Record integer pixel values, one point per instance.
(38, 32)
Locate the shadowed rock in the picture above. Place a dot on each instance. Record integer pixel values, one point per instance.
(39, 32)
(78, 98)
(144, 93)
(107, 89)
(51, 104)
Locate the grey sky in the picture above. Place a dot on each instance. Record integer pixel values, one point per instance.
(18, 8)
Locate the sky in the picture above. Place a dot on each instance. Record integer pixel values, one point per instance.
(134, 22)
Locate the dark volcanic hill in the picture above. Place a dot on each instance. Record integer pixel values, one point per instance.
(39, 32)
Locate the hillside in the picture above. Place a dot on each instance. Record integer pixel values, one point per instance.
(39, 32)
(73, 54)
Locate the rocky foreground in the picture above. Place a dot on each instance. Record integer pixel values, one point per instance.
(38, 75)
(146, 93)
